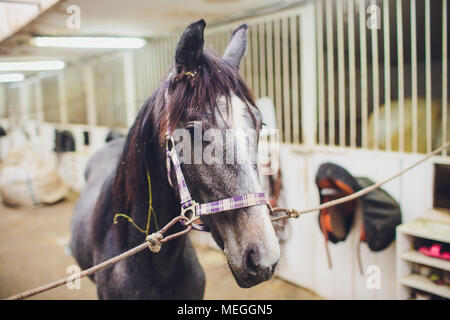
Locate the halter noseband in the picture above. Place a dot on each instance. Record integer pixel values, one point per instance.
(195, 209)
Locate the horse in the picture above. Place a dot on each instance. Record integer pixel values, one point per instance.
(200, 87)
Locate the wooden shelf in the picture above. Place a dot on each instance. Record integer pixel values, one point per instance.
(421, 283)
(427, 229)
(418, 257)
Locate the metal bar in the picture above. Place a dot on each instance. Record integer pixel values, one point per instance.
(387, 76)
(414, 75)
(428, 74)
(154, 67)
(62, 98)
(375, 86)
(262, 60)
(341, 70)
(23, 110)
(363, 61)
(401, 85)
(249, 62)
(2, 101)
(89, 89)
(129, 88)
(444, 74)
(269, 55)
(308, 55)
(320, 76)
(330, 72)
(286, 78)
(255, 67)
(161, 55)
(294, 80)
(352, 72)
(277, 61)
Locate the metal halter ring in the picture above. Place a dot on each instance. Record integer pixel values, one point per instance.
(192, 208)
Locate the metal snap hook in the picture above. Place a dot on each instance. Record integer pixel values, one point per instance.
(193, 209)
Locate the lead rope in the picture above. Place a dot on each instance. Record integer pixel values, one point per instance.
(155, 240)
(292, 213)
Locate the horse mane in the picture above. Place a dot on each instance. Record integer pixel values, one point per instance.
(191, 97)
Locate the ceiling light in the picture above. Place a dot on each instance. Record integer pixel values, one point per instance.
(11, 77)
(32, 65)
(88, 42)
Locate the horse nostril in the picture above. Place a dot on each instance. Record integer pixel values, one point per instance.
(273, 267)
(252, 261)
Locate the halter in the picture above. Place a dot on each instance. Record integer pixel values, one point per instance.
(196, 210)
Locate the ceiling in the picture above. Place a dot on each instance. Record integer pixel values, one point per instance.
(137, 18)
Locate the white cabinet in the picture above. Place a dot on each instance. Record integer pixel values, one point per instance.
(406, 256)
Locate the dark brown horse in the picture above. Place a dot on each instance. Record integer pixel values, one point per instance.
(199, 87)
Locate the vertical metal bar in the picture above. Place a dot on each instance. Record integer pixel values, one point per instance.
(444, 73)
(277, 60)
(249, 62)
(161, 55)
(23, 110)
(308, 73)
(320, 76)
(428, 74)
(294, 80)
(62, 97)
(286, 82)
(255, 58)
(341, 71)
(363, 62)
(387, 76)
(330, 71)
(39, 105)
(414, 75)
(269, 55)
(401, 85)
(167, 55)
(243, 65)
(154, 65)
(89, 82)
(262, 59)
(375, 86)
(2, 101)
(129, 88)
(352, 73)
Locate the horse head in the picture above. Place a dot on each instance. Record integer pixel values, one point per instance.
(215, 124)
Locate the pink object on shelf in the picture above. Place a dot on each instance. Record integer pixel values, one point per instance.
(435, 252)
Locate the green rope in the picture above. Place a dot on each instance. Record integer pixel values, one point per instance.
(149, 216)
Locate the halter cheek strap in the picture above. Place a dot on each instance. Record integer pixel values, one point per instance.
(196, 210)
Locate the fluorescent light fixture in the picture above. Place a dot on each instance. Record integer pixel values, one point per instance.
(89, 42)
(11, 77)
(32, 65)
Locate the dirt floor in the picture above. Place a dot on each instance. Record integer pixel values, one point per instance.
(34, 251)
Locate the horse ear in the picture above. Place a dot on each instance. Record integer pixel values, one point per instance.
(190, 47)
(237, 46)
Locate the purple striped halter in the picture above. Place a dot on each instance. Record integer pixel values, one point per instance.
(189, 206)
